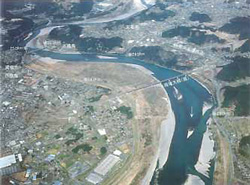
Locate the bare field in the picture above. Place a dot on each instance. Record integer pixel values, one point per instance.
(118, 77)
(222, 160)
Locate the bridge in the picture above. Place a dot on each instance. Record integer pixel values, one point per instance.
(175, 80)
(166, 83)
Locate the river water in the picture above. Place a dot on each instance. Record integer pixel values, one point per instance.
(184, 152)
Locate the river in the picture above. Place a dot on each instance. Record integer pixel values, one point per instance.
(184, 151)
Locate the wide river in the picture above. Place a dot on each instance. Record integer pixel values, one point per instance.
(184, 151)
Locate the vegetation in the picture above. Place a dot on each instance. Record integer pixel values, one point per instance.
(81, 8)
(157, 13)
(71, 141)
(236, 70)
(244, 146)
(103, 150)
(126, 111)
(57, 136)
(238, 25)
(90, 108)
(155, 54)
(94, 99)
(100, 45)
(84, 147)
(200, 17)
(73, 131)
(63, 156)
(157, 16)
(148, 139)
(66, 34)
(238, 96)
(192, 34)
(245, 47)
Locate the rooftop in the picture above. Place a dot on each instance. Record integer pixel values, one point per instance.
(106, 165)
(7, 161)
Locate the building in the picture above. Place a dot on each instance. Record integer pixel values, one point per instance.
(8, 164)
(52, 44)
(94, 178)
(117, 152)
(7, 161)
(107, 164)
(102, 132)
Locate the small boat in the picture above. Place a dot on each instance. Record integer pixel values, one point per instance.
(190, 132)
(191, 113)
(177, 94)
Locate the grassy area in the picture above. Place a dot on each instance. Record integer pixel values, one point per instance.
(73, 131)
(90, 109)
(94, 99)
(57, 136)
(84, 147)
(63, 156)
(77, 137)
(244, 147)
(126, 111)
(103, 150)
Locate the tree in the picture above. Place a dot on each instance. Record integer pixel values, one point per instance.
(103, 150)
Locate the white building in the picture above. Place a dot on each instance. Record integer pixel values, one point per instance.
(102, 132)
(94, 178)
(7, 161)
(107, 164)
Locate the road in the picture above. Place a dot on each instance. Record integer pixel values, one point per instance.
(224, 133)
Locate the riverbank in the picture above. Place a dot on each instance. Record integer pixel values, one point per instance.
(166, 131)
(194, 180)
(206, 153)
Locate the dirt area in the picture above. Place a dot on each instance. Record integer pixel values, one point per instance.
(238, 127)
(222, 160)
(118, 77)
(205, 78)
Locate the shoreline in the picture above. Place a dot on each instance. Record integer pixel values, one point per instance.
(206, 153)
(193, 180)
(167, 126)
(167, 133)
(166, 130)
(194, 77)
(143, 69)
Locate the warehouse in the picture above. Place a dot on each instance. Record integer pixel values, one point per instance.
(105, 166)
(94, 178)
(7, 161)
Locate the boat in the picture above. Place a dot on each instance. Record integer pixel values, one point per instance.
(177, 94)
(191, 113)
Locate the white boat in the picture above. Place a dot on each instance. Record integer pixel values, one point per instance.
(191, 113)
(177, 94)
